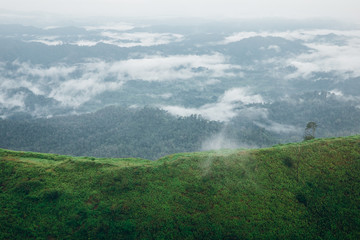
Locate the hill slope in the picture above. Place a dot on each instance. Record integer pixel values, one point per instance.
(308, 190)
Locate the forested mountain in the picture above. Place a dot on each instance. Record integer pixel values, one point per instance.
(111, 132)
(151, 133)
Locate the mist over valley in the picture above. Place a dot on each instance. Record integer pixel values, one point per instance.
(260, 81)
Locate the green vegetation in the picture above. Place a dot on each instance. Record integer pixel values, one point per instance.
(307, 190)
(148, 133)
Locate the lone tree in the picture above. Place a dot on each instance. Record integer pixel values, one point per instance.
(310, 131)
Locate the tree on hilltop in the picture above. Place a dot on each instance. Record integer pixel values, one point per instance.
(310, 131)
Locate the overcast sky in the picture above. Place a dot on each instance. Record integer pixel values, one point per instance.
(344, 10)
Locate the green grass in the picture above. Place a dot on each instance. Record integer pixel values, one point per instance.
(308, 190)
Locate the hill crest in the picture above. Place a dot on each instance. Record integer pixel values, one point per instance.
(302, 190)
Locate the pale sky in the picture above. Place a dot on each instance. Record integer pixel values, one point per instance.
(348, 10)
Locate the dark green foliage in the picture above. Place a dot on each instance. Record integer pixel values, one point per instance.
(112, 132)
(301, 198)
(51, 194)
(27, 186)
(308, 137)
(288, 161)
(253, 194)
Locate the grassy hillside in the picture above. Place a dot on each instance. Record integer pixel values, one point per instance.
(308, 190)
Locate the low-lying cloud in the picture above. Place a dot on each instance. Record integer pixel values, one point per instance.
(224, 109)
(76, 92)
(221, 141)
(332, 51)
(279, 128)
(143, 39)
(49, 42)
(120, 39)
(339, 95)
(175, 67)
(111, 27)
(12, 101)
(218, 141)
(77, 84)
(303, 35)
(341, 60)
(52, 73)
